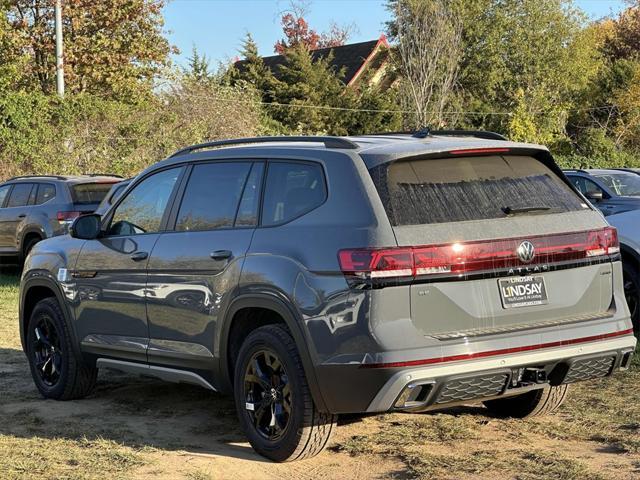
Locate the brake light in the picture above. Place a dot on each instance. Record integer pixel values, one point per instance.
(464, 258)
(474, 151)
(67, 217)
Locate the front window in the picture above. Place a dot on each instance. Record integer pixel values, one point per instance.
(143, 209)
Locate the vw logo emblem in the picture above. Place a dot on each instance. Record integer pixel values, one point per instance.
(526, 251)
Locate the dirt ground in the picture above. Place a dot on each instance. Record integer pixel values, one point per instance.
(140, 428)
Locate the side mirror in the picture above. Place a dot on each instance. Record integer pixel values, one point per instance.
(595, 196)
(86, 227)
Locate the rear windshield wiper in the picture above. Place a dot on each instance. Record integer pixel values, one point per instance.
(515, 211)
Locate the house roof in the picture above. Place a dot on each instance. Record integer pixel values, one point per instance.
(352, 58)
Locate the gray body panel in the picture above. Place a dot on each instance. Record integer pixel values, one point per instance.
(174, 310)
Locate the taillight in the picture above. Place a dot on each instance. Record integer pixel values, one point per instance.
(465, 258)
(65, 218)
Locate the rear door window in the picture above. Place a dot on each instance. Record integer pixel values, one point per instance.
(427, 191)
(46, 191)
(292, 189)
(87, 193)
(250, 203)
(212, 196)
(20, 195)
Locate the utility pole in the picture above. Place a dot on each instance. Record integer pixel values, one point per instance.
(59, 54)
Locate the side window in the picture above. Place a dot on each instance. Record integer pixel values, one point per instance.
(212, 195)
(591, 187)
(142, 210)
(46, 191)
(577, 182)
(248, 210)
(4, 191)
(292, 189)
(116, 193)
(20, 195)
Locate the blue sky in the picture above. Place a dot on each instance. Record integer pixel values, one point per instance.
(217, 27)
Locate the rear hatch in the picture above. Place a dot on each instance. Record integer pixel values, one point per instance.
(493, 242)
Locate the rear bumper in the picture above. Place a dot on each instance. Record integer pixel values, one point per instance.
(378, 388)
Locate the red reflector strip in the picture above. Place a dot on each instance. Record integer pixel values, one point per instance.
(459, 259)
(502, 351)
(471, 151)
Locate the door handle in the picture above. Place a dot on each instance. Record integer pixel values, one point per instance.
(138, 256)
(22, 215)
(221, 254)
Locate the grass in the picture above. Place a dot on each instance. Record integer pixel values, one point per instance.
(122, 428)
(32, 452)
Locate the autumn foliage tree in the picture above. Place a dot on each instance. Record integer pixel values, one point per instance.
(297, 31)
(113, 48)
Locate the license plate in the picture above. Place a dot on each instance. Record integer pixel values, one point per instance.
(523, 291)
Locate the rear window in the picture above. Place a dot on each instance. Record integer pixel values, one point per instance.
(89, 192)
(470, 188)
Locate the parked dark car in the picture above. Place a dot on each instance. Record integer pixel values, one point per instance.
(317, 276)
(33, 208)
(611, 191)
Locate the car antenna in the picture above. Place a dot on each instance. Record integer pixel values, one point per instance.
(423, 132)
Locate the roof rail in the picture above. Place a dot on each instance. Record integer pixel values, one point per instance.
(464, 133)
(329, 142)
(19, 177)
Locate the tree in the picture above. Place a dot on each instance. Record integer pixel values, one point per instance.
(624, 38)
(113, 48)
(297, 31)
(428, 36)
(525, 66)
(198, 68)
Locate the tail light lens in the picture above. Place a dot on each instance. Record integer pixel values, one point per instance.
(66, 218)
(459, 259)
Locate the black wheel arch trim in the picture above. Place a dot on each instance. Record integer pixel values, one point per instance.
(42, 281)
(627, 250)
(269, 302)
(30, 231)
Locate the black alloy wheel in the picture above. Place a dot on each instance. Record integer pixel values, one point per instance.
(267, 394)
(47, 351)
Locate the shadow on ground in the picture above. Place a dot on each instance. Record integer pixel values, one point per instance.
(134, 411)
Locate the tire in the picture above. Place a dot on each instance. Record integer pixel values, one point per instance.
(535, 403)
(63, 376)
(631, 280)
(285, 425)
(28, 246)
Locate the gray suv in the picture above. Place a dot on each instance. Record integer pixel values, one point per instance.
(33, 208)
(316, 276)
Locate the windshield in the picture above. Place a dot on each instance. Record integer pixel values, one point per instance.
(623, 184)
